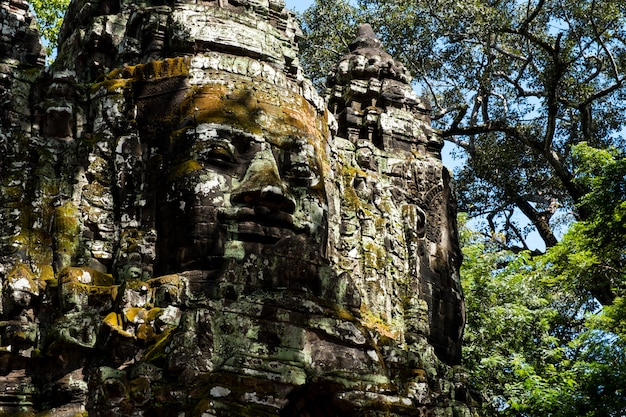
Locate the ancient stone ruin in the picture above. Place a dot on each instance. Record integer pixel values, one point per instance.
(188, 229)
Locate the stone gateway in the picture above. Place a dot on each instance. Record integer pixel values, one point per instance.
(188, 229)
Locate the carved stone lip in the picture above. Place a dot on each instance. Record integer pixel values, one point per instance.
(259, 224)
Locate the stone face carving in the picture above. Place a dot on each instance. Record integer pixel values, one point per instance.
(187, 228)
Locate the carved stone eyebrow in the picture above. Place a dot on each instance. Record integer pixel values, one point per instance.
(219, 148)
(218, 129)
(291, 143)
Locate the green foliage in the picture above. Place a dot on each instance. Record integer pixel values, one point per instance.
(535, 346)
(538, 343)
(328, 29)
(592, 254)
(49, 16)
(603, 173)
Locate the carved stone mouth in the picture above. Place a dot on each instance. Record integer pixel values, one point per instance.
(258, 224)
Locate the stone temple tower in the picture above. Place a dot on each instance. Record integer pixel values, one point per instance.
(405, 207)
(188, 229)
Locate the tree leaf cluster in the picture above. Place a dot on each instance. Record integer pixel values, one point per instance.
(534, 345)
(49, 17)
(538, 341)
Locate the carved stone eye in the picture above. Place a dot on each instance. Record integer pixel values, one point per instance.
(216, 152)
(297, 169)
(220, 152)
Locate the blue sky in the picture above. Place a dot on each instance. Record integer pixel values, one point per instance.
(298, 5)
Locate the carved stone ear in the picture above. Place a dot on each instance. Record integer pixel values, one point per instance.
(414, 221)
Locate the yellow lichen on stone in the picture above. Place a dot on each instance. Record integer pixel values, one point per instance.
(184, 168)
(112, 86)
(66, 230)
(22, 278)
(165, 279)
(47, 275)
(125, 72)
(210, 104)
(350, 198)
(86, 276)
(159, 348)
(120, 79)
(81, 287)
(344, 314)
(145, 332)
(167, 68)
(380, 325)
(116, 323)
(134, 314)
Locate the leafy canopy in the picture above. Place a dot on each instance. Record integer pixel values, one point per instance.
(536, 344)
(49, 17)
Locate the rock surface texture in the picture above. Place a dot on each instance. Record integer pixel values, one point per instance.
(188, 229)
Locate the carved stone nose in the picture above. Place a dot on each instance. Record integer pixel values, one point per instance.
(262, 186)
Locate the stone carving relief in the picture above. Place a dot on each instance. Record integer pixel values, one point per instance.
(187, 228)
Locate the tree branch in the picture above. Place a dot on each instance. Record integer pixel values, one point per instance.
(521, 92)
(492, 126)
(461, 143)
(532, 16)
(539, 220)
(604, 92)
(603, 45)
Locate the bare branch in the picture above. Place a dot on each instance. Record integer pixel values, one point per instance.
(597, 71)
(433, 94)
(532, 15)
(521, 92)
(460, 115)
(475, 109)
(511, 226)
(554, 77)
(604, 92)
(510, 54)
(492, 126)
(461, 143)
(603, 45)
(443, 112)
(532, 38)
(539, 220)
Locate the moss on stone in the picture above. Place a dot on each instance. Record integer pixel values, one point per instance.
(184, 168)
(121, 79)
(376, 322)
(67, 229)
(82, 286)
(76, 274)
(158, 350)
(345, 314)
(116, 323)
(46, 275)
(112, 86)
(167, 68)
(22, 272)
